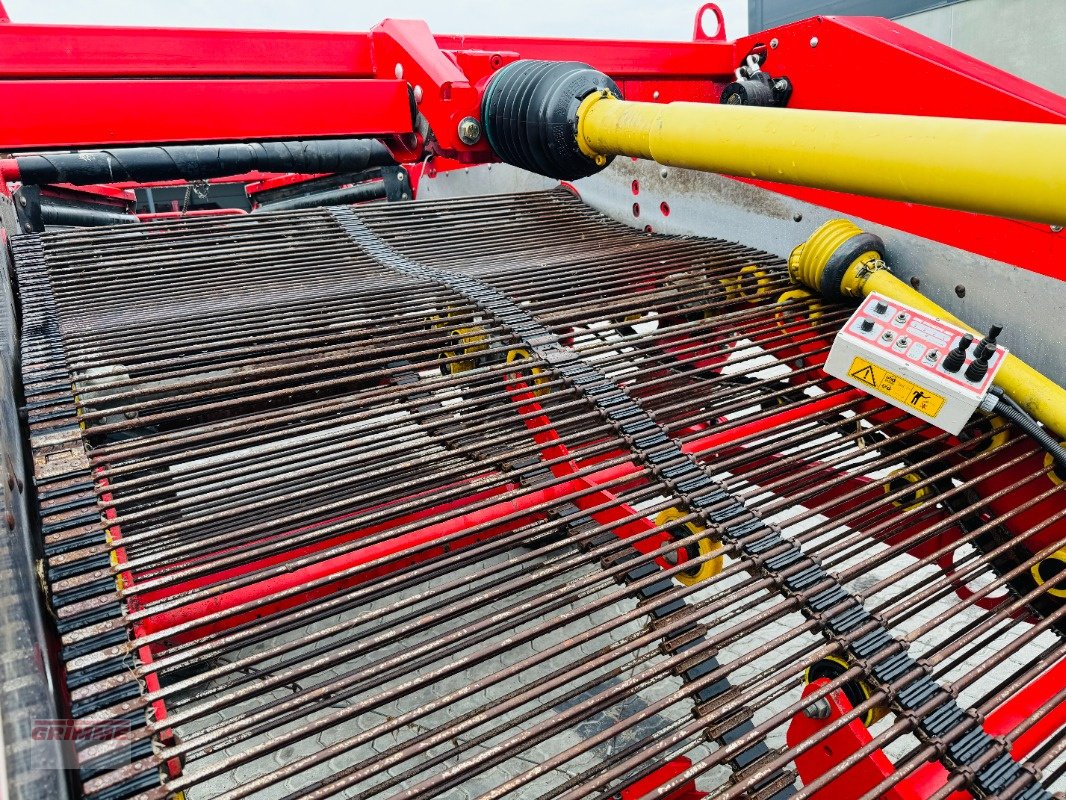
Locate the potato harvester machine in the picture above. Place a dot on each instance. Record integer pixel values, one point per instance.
(549, 419)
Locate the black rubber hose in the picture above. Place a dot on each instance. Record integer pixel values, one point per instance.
(529, 113)
(334, 197)
(200, 161)
(1013, 412)
(55, 214)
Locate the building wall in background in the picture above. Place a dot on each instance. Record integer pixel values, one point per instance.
(1024, 37)
(763, 14)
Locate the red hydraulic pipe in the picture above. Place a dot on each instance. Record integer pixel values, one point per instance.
(144, 653)
(9, 170)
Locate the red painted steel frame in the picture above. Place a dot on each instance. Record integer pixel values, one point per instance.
(277, 181)
(106, 196)
(818, 760)
(196, 110)
(99, 192)
(336, 84)
(931, 777)
(897, 71)
(648, 786)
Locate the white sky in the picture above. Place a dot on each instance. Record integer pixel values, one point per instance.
(601, 19)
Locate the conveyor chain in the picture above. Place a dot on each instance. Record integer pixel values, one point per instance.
(89, 617)
(938, 717)
(661, 453)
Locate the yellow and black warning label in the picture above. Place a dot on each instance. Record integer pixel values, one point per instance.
(907, 394)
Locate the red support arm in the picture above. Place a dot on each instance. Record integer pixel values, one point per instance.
(109, 112)
(931, 777)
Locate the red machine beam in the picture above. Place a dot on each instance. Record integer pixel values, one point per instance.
(345, 568)
(197, 111)
(98, 191)
(69, 51)
(449, 73)
(650, 783)
(620, 60)
(894, 62)
(604, 507)
(814, 762)
(242, 178)
(277, 181)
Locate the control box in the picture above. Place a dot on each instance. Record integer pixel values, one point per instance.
(915, 361)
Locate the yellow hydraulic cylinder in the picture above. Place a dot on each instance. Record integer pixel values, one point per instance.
(1009, 169)
(1041, 397)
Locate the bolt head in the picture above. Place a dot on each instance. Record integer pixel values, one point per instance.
(814, 41)
(773, 44)
(418, 94)
(469, 131)
(655, 95)
(819, 709)
(399, 71)
(1056, 229)
(22, 200)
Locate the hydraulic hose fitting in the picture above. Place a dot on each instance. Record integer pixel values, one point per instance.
(836, 258)
(840, 260)
(530, 116)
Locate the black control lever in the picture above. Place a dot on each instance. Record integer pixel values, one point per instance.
(988, 344)
(957, 357)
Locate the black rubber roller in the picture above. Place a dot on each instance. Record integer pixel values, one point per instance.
(202, 161)
(530, 116)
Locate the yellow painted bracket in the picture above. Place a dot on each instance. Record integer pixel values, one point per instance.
(705, 546)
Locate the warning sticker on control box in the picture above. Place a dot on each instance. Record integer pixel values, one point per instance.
(899, 389)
